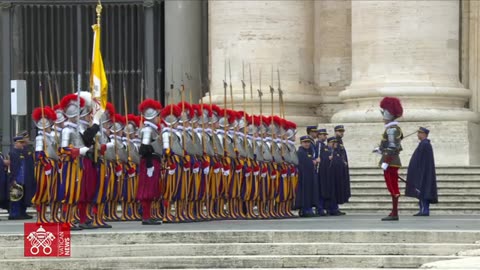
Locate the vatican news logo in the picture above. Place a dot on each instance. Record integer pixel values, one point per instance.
(46, 240)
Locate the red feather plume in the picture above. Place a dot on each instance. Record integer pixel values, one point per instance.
(110, 109)
(188, 108)
(57, 107)
(118, 118)
(277, 120)
(217, 110)
(132, 118)
(176, 111)
(392, 105)
(256, 120)
(149, 103)
(47, 113)
(266, 120)
(69, 98)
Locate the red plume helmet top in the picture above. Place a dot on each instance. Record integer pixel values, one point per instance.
(172, 108)
(277, 120)
(110, 109)
(188, 108)
(196, 109)
(266, 120)
(119, 119)
(71, 98)
(217, 110)
(47, 113)
(57, 107)
(392, 105)
(231, 115)
(206, 107)
(256, 120)
(132, 118)
(149, 103)
(293, 125)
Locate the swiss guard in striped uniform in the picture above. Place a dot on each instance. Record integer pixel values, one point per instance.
(104, 168)
(46, 158)
(120, 157)
(150, 164)
(199, 124)
(132, 143)
(223, 163)
(55, 203)
(290, 151)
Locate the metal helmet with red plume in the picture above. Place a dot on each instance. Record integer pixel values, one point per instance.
(391, 108)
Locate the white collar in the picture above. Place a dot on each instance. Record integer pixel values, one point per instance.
(136, 140)
(208, 130)
(150, 124)
(291, 142)
(220, 131)
(268, 139)
(59, 129)
(70, 124)
(83, 122)
(394, 123)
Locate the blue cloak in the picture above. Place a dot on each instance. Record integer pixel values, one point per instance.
(421, 176)
(342, 173)
(307, 190)
(4, 185)
(30, 185)
(327, 185)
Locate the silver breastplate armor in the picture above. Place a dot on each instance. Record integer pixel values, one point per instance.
(267, 155)
(71, 138)
(248, 147)
(285, 153)
(50, 148)
(218, 144)
(150, 136)
(207, 141)
(190, 147)
(258, 151)
(277, 153)
(133, 152)
(292, 152)
(242, 152)
(229, 145)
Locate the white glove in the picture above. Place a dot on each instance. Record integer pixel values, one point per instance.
(226, 172)
(84, 150)
(263, 175)
(238, 171)
(48, 172)
(206, 170)
(196, 170)
(110, 145)
(96, 117)
(284, 175)
(171, 172)
(247, 174)
(384, 166)
(273, 176)
(256, 173)
(216, 170)
(150, 171)
(377, 151)
(186, 169)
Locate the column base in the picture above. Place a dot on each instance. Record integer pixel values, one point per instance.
(455, 143)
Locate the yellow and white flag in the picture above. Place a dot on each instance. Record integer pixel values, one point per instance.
(98, 77)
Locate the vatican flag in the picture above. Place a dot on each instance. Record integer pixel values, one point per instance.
(98, 77)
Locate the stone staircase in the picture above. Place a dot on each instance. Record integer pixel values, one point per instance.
(246, 249)
(458, 189)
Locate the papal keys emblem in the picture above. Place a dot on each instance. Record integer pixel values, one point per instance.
(41, 239)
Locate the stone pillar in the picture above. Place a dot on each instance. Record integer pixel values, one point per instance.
(265, 34)
(149, 51)
(183, 46)
(5, 51)
(333, 53)
(408, 49)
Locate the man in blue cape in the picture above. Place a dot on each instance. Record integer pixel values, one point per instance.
(421, 176)
(307, 189)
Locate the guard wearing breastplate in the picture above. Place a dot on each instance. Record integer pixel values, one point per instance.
(174, 153)
(199, 124)
(390, 148)
(55, 203)
(236, 167)
(46, 158)
(191, 160)
(104, 165)
(132, 144)
(120, 158)
(149, 188)
(290, 150)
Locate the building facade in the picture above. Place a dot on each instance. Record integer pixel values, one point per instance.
(336, 60)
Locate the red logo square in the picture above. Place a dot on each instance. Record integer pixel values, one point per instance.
(46, 240)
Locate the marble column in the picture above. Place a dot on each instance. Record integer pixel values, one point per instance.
(183, 47)
(265, 34)
(333, 53)
(408, 49)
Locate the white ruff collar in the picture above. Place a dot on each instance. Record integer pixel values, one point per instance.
(394, 123)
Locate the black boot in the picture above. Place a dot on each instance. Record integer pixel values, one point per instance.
(151, 221)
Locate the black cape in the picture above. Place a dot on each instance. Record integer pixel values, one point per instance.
(30, 186)
(4, 185)
(421, 176)
(345, 183)
(327, 185)
(307, 195)
(337, 175)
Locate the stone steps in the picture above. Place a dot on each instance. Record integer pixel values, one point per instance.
(246, 249)
(461, 170)
(233, 249)
(262, 261)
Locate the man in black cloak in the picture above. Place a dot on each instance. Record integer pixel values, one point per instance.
(323, 163)
(4, 185)
(307, 189)
(421, 176)
(343, 190)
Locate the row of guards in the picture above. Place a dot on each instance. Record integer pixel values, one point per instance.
(179, 163)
